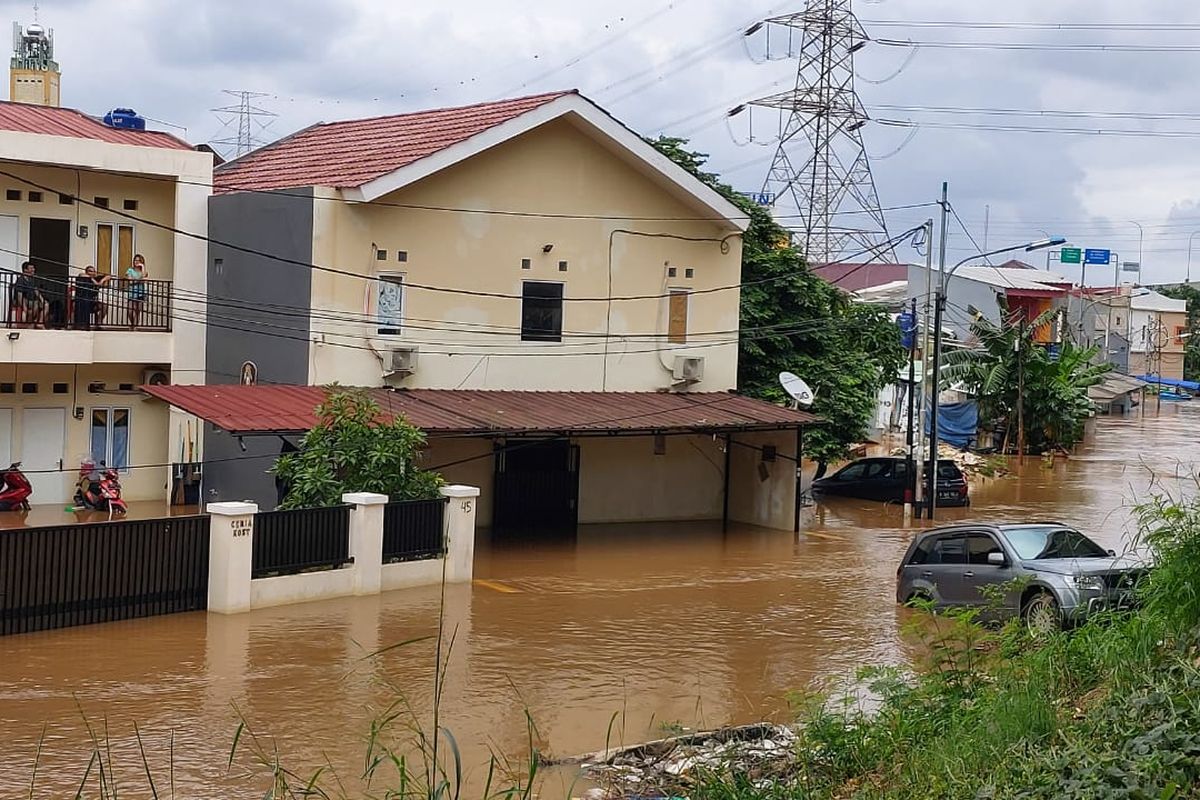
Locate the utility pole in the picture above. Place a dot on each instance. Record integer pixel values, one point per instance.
(1021, 392)
(926, 317)
(939, 308)
(821, 131)
(910, 488)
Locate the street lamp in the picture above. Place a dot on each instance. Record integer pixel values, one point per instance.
(1141, 237)
(1191, 238)
(938, 309)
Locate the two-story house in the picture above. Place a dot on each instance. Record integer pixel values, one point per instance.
(550, 298)
(77, 193)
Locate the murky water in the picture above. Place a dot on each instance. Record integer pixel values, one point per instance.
(628, 631)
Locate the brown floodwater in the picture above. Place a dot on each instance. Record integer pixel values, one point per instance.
(621, 634)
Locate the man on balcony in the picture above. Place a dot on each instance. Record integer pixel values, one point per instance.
(27, 306)
(87, 298)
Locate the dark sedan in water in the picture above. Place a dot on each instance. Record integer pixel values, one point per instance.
(885, 479)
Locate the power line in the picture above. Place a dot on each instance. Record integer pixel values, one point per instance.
(1109, 132)
(1085, 47)
(1165, 27)
(1020, 112)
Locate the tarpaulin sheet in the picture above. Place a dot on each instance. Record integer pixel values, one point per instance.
(957, 422)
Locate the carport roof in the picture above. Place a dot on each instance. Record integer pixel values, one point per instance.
(249, 410)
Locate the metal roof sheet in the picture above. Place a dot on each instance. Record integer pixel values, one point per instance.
(354, 152)
(51, 121)
(290, 409)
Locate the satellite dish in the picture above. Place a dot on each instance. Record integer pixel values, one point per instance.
(797, 389)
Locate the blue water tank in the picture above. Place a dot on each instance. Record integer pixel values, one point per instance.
(125, 118)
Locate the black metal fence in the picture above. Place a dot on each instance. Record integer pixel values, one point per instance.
(291, 542)
(56, 577)
(119, 304)
(413, 530)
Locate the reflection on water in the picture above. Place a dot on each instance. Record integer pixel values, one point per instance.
(655, 624)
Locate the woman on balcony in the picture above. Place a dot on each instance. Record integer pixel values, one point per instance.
(87, 298)
(136, 281)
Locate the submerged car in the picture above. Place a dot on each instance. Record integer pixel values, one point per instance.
(885, 479)
(1048, 573)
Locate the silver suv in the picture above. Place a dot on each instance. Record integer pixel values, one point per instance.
(1060, 575)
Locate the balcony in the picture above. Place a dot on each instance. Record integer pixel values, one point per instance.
(124, 324)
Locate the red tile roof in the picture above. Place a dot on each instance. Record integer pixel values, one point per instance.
(290, 409)
(51, 121)
(354, 152)
(853, 277)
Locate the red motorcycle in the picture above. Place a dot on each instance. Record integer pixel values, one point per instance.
(16, 489)
(99, 491)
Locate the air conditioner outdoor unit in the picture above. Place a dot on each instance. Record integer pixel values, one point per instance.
(402, 360)
(155, 376)
(689, 369)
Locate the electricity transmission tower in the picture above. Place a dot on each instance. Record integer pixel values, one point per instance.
(249, 119)
(820, 183)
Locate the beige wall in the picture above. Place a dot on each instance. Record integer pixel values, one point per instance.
(555, 168)
(754, 501)
(148, 422)
(156, 203)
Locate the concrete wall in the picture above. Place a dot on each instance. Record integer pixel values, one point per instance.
(267, 323)
(474, 342)
(752, 500)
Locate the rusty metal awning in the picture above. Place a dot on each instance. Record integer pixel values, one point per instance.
(250, 410)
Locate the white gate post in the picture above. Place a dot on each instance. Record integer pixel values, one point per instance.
(366, 539)
(460, 532)
(230, 556)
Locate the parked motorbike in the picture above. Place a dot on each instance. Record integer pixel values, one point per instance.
(99, 490)
(16, 489)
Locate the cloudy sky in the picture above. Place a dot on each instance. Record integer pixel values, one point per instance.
(676, 67)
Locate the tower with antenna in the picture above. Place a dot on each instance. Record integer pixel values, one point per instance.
(250, 119)
(820, 182)
(33, 74)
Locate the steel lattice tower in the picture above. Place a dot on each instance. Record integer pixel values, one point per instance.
(820, 180)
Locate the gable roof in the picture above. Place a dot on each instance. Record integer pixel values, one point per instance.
(369, 158)
(51, 121)
(354, 152)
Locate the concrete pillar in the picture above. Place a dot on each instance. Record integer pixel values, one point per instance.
(230, 556)
(366, 539)
(460, 532)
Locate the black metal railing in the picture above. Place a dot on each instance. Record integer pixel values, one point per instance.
(56, 577)
(291, 542)
(414, 530)
(120, 304)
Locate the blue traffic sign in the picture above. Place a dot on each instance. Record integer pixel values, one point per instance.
(1096, 257)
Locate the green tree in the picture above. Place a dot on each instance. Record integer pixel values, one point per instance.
(1055, 400)
(1191, 359)
(792, 320)
(352, 449)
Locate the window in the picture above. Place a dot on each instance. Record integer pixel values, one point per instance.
(921, 553)
(129, 205)
(852, 472)
(879, 468)
(541, 311)
(66, 200)
(689, 273)
(8, 388)
(101, 202)
(402, 256)
(677, 316)
(950, 550)
(110, 437)
(12, 194)
(562, 266)
(526, 263)
(35, 197)
(114, 248)
(62, 388)
(381, 255)
(979, 546)
(29, 388)
(389, 305)
(672, 272)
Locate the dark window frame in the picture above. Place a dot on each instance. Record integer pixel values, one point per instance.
(542, 311)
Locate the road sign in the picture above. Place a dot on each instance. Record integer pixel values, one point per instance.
(1070, 255)
(1131, 266)
(1097, 257)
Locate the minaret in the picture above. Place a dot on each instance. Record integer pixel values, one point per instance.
(33, 73)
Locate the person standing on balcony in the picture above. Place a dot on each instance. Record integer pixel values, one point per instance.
(136, 280)
(87, 298)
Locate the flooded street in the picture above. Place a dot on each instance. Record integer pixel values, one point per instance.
(641, 628)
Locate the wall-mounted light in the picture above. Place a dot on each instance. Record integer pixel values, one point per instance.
(546, 248)
(82, 233)
(14, 335)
